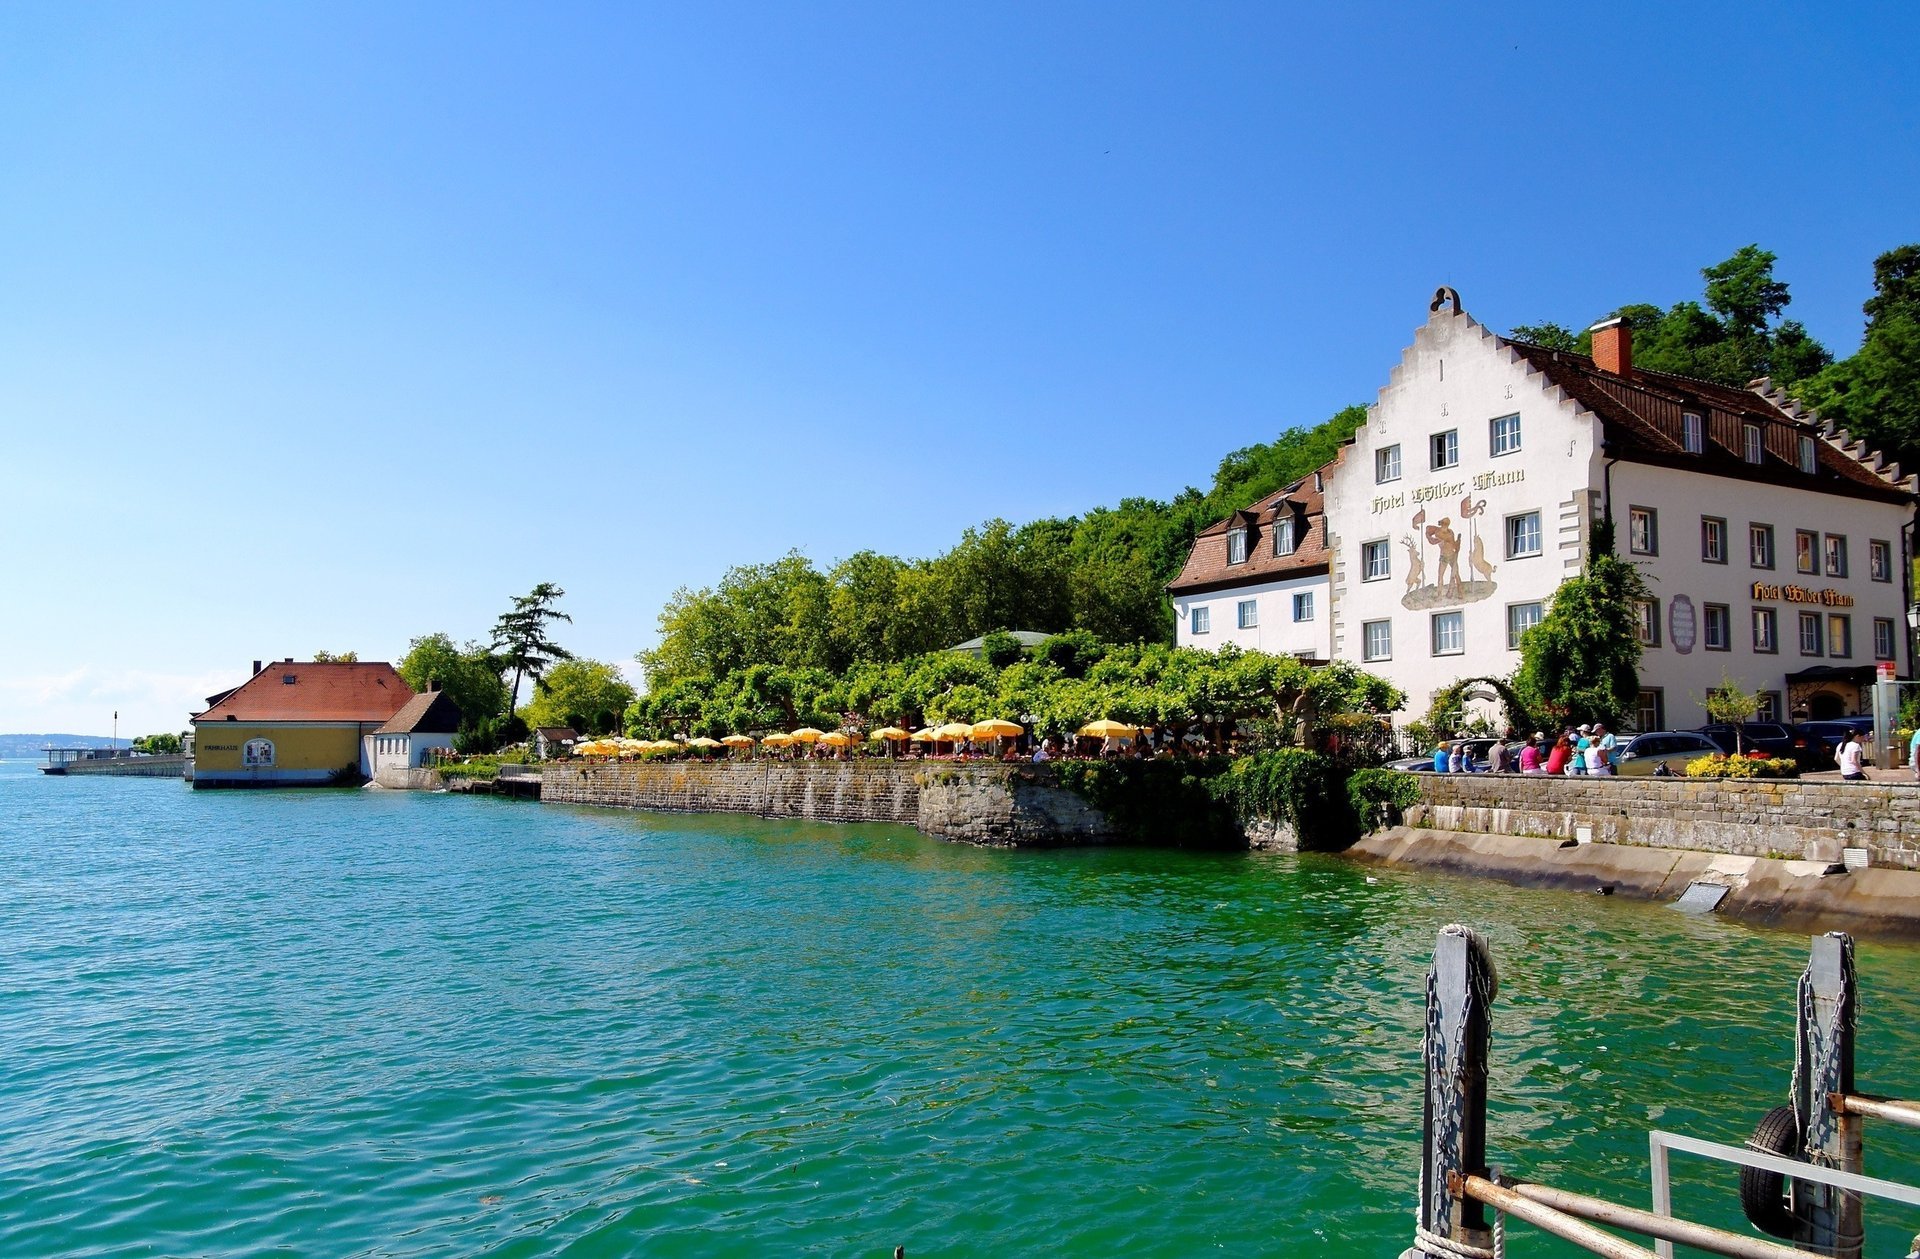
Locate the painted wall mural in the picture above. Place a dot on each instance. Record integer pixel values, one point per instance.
(1446, 540)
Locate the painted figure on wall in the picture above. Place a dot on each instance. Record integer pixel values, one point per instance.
(1449, 585)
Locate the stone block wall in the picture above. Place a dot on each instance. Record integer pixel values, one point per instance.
(985, 803)
(1809, 821)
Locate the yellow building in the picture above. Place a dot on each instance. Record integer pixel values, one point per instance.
(295, 724)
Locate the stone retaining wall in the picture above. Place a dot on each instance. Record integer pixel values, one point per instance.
(1783, 818)
(407, 779)
(984, 803)
(166, 765)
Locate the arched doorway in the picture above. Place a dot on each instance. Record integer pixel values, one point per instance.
(1825, 706)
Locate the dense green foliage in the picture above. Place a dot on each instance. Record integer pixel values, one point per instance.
(1104, 572)
(1582, 661)
(336, 657)
(588, 695)
(489, 734)
(1380, 796)
(1732, 337)
(1292, 786)
(470, 676)
(1070, 681)
(1157, 802)
(1875, 395)
(158, 744)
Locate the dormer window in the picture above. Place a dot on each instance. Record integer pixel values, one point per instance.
(1754, 452)
(1693, 433)
(1236, 546)
(1283, 536)
(1809, 456)
(288, 679)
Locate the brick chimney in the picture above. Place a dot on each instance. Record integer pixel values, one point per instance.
(256, 666)
(1613, 347)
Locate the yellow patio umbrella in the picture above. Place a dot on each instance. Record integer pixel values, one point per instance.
(738, 740)
(806, 734)
(997, 729)
(892, 734)
(924, 736)
(953, 732)
(703, 742)
(1107, 729)
(777, 740)
(836, 739)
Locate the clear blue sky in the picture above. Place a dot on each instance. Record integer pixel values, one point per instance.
(325, 326)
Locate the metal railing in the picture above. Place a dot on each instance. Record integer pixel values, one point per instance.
(1821, 1173)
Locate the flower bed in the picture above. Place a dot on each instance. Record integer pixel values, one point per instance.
(1718, 766)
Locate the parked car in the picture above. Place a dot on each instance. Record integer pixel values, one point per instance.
(1775, 738)
(1476, 749)
(1645, 753)
(1834, 732)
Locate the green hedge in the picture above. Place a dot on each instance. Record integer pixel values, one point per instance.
(1157, 802)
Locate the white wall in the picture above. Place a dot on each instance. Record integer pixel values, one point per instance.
(1456, 376)
(403, 751)
(1277, 631)
(1678, 572)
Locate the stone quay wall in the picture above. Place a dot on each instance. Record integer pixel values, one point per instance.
(982, 803)
(166, 765)
(1782, 818)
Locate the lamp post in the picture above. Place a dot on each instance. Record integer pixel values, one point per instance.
(116, 732)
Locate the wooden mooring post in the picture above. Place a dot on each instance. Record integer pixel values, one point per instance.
(1461, 986)
(1829, 1218)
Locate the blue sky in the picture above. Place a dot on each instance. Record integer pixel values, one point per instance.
(325, 326)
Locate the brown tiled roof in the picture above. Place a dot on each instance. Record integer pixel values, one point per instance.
(432, 713)
(558, 734)
(357, 691)
(1641, 415)
(1207, 567)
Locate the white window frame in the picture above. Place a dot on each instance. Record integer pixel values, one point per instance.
(1693, 432)
(1247, 614)
(1386, 464)
(1883, 630)
(1646, 621)
(1817, 639)
(1758, 533)
(1503, 435)
(1652, 517)
(1768, 643)
(1753, 446)
(1236, 543)
(1712, 527)
(1514, 634)
(1840, 646)
(1539, 538)
(1200, 620)
(1383, 549)
(1457, 621)
(1283, 531)
(1367, 644)
(1809, 455)
(1829, 553)
(1879, 559)
(1811, 565)
(1303, 600)
(1444, 445)
(1707, 611)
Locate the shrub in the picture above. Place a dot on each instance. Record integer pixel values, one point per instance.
(1719, 766)
(1380, 796)
(1156, 802)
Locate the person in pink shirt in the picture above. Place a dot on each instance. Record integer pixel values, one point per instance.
(1530, 755)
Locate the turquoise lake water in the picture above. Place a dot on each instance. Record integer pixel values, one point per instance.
(387, 1024)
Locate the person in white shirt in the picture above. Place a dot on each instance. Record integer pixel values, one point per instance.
(1851, 755)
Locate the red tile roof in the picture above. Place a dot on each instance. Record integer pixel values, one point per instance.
(1207, 567)
(360, 691)
(1641, 414)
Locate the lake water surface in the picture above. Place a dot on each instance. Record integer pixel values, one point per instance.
(387, 1024)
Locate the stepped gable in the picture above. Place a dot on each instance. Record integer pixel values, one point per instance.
(1641, 413)
(1207, 568)
(307, 690)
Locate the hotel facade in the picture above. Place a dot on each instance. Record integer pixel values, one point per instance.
(1777, 550)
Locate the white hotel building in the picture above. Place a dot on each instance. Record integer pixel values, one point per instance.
(1776, 548)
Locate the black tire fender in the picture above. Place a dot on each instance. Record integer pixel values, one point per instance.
(1763, 1195)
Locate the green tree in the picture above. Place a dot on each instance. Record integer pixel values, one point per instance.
(1731, 704)
(520, 637)
(588, 695)
(1552, 336)
(158, 744)
(1583, 659)
(336, 657)
(1875, 395)
(469, 675)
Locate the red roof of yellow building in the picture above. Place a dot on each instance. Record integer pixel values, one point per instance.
(306, 690)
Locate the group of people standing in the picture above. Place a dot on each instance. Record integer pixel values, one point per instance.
(1586, 749)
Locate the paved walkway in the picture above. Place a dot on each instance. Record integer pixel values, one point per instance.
(1901, 775)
